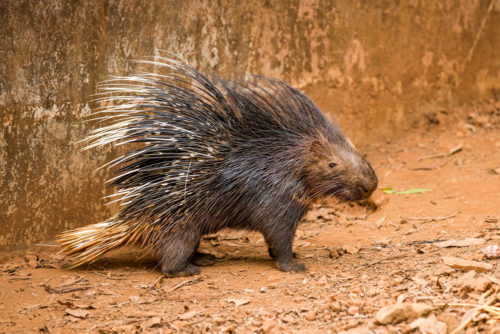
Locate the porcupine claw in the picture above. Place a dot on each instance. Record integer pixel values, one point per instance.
(291, 266)
(189, 270)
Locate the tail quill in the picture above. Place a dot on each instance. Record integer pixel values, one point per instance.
(86, 244)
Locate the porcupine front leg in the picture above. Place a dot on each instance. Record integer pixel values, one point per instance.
(176, 252)
(280, 243)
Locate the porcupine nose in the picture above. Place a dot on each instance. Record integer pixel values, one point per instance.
(368, 181)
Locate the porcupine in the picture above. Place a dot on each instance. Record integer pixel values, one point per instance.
(214, 153)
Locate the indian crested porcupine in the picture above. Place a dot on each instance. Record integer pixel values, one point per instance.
(212, 153)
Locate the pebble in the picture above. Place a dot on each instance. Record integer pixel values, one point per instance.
(353, 310)
(396, 313)
(311, 316)
(429, 326)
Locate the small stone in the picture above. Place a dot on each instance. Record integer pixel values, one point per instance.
(352, 249)
(466, 265)
(445, 271)
(429, 326)
(268, 325)
(263, 289)
(481, 120)
(311, 316)
(322, 281)
(336, 252)
(394, 314)
(480, 284)
(219, 320)
(352, 310)
(491, 251)
(380, 222)
(188, 315)
(155, 322)
(335, 306)
(31, 260)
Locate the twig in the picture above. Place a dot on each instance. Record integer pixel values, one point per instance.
(181, 284)
(483, 24)
(452, 151)
(421, 242)
(158, 280)
(430, 219)
(380, 261)
(432, 156)
(67, 289)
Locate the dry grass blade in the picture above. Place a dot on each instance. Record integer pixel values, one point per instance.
(486, 306)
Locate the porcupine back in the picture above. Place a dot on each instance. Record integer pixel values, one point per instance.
(211, 153)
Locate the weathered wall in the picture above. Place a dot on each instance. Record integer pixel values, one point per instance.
(377, 65)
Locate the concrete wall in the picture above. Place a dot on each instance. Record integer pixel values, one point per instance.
(377, 65)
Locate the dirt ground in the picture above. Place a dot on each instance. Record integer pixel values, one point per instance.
(382, 266)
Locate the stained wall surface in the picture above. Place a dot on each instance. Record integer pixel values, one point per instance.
(378, 66)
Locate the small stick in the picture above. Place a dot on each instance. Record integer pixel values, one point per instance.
(379, 261)
(442, 155)
(181, 284)
(158, 280)
(432, 156)
(430, 218)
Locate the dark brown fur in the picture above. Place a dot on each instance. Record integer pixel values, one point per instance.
(216, 154)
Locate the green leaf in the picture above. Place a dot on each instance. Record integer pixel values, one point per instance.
(411, 191)
(388, 190)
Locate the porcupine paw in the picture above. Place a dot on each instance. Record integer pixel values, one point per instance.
(188, 270)
(203, 259)
(271, 254)
(291, 266)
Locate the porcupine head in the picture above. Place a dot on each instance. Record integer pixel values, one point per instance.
(210, 154)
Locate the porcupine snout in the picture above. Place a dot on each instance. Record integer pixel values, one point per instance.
(365, 181)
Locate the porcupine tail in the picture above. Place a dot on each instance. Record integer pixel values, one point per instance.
(86, 244)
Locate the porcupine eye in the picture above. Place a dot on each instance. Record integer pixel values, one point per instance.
(332, 164)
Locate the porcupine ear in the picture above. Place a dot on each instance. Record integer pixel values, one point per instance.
(317, 149)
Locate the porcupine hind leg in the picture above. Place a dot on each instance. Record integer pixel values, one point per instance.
(176, 252)
(280, 242)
